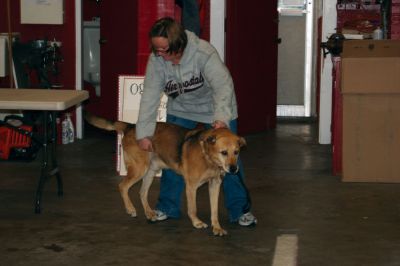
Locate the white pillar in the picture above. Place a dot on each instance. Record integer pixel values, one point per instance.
(78, 64)
(217, 26)
(325, 112)
(308, 68)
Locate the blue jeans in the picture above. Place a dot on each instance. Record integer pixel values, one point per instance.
(236, 197)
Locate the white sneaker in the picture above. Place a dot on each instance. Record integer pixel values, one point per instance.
(247, 219)
(160, 215)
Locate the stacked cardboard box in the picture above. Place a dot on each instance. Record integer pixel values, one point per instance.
(371, 111)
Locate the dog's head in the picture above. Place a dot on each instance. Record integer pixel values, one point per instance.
(222, 147)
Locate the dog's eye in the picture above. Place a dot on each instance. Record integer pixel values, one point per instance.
(236, 152)
(225, 153)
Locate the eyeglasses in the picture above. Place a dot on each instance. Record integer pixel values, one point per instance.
(161, 51)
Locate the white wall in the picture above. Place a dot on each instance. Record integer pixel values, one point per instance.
(78, 66)
(325, 114)
(217, 26)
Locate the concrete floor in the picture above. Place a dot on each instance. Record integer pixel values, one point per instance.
(292, 188)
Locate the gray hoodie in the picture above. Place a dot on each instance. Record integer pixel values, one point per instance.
(199, 88)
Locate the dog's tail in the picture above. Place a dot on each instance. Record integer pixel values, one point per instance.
(103, 123)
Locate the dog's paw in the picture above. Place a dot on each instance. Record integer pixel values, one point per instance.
(151, 216)
(131, 213)
(200, 225)
(219, 231)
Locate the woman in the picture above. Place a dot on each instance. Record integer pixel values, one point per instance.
(200, 90)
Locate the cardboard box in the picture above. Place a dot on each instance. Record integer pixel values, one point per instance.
(371, 111)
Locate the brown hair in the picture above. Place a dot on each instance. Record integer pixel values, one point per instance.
(173, 31)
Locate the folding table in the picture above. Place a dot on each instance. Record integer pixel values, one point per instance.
(50, 101)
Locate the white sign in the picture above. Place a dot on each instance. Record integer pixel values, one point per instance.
(42, 12)
(130, 89)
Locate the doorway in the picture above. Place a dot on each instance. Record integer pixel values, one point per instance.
(295, 92)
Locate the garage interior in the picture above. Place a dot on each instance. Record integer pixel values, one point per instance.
(296, 186)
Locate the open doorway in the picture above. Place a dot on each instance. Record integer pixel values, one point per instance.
(295, 95)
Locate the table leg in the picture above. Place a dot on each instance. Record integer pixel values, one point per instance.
(47, 170)
(54, 154)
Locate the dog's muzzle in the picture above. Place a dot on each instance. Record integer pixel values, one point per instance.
(233, 169)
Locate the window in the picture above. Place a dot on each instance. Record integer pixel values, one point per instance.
(291, 7)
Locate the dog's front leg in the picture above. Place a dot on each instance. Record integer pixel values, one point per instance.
(191, 190)
(213, 188)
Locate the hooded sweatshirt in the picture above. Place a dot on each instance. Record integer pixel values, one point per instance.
(199, 88)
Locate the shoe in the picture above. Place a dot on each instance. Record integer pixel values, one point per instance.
(160, 215)
(247, 219)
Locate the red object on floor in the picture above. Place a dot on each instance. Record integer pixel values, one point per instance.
(10, 138)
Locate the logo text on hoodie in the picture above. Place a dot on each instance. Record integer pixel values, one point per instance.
(174, 89)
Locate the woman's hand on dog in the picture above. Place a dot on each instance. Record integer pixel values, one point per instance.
(219, 124)
(145, 144)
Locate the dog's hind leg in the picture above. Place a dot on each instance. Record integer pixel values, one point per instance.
(135, 173)
(144, 192)
(191, 190)
(214, 188)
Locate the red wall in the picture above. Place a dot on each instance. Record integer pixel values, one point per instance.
(251, 56)
(64, 33)
(130, 24)
(90, 9)
(149, 12)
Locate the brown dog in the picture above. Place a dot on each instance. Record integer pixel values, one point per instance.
(200, 156)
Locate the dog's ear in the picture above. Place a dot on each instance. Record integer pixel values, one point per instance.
(192, 133)
(242, 142)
